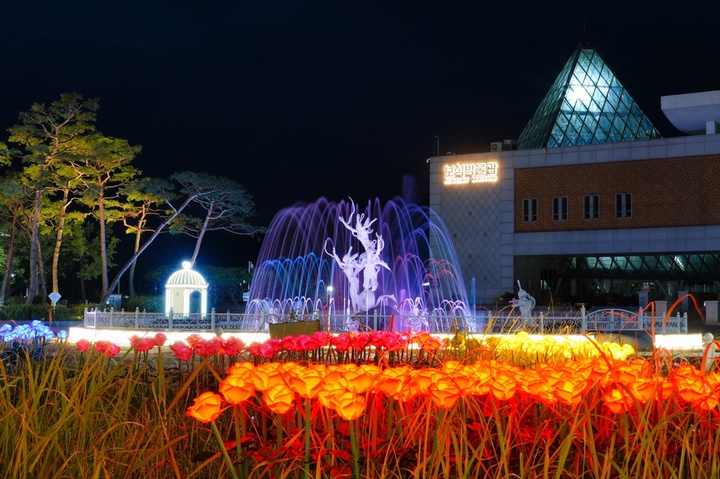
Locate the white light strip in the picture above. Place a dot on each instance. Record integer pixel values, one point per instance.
(121, 337)
(679, 342)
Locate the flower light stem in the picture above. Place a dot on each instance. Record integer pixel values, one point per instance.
(354, 448)
(389, 406)
(224, 450)
(239, 420)
(279, 421)
(307, 438)
(161, 374)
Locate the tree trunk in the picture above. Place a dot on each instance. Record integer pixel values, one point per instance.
(42, 281)
(157, 232)
(201, 235)
(58, 240)
(131, 273)
(34, 238)
(7, 277)
(103, 248)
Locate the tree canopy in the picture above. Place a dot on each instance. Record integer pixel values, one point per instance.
(71, 197)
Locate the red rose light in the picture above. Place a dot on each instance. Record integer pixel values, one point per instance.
(181, 351)
(112, 350)
(82, 345)
(159, 339)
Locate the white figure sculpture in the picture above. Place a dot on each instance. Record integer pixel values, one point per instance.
(368, 263)
(525, 303)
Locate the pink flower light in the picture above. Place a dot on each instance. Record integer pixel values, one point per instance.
(145, 344)
(181, 350)
(112, 350)
(83, 345)
(159, 339)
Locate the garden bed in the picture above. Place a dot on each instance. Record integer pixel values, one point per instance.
(361, 405)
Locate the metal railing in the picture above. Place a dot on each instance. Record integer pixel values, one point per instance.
(602, 320)
(582, 322)
(111, 319)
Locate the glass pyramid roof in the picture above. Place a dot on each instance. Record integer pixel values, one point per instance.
(586, 105)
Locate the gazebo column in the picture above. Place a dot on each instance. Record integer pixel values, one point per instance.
(186, 300)
(168, 299)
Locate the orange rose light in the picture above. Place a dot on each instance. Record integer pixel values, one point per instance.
(206, 407)
(694, 388)
(236, 390)
(328, 391)
(643, 389)
(503, 386)
(279, 398)
(481, 378)
(265, 376)
(348, 405)
(538, 387)
(391, 381)
(420, 381)
(618, 400)
(305, 382)
(444, 392)
(570, 391)
(240, 369)
(361, 378)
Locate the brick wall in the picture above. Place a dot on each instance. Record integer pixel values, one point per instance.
(666, 192)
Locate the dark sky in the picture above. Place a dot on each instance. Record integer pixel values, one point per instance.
(302, 99)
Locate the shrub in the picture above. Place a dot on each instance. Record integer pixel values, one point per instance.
(27, 312)
(151, 304)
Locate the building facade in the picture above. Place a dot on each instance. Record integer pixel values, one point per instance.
(590, 203)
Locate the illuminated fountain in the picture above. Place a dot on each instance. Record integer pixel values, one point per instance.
(393, 263)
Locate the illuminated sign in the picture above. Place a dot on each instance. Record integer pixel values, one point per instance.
(465, 173)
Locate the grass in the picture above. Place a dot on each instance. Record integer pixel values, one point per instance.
(409, 409)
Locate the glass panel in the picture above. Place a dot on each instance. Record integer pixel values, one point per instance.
(613, 96)
(604, 123)
(633, 124)
(599, 96)
(585, 91)
(586, 135)
(618, 124)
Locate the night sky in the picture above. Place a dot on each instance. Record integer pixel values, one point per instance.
(302, 99)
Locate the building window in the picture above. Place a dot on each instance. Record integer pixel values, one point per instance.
(529, 210)
(623, 205)
(591, 207)
(560, 208)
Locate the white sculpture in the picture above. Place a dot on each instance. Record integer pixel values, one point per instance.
(525, 303)
(368, 263)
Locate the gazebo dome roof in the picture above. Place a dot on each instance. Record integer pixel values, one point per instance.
(186, 277)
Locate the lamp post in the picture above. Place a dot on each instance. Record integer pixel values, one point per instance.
(54, 297)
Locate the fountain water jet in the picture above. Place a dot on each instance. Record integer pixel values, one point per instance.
(395, 261)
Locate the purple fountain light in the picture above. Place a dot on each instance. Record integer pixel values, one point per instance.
(389, 261)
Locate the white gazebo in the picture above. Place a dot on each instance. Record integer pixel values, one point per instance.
(179, 291)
